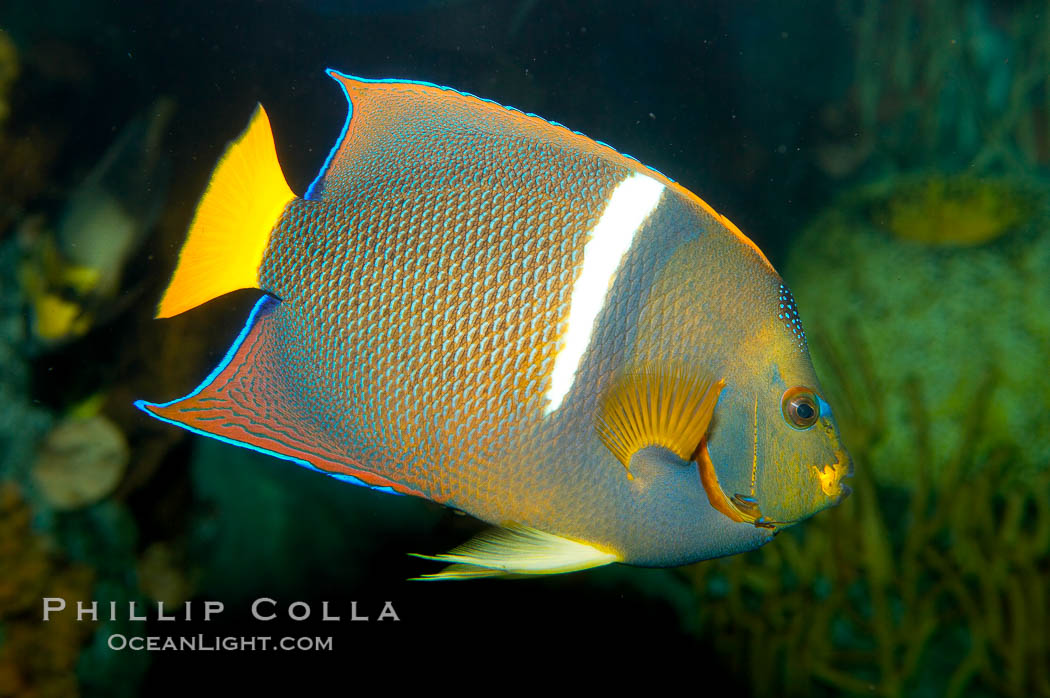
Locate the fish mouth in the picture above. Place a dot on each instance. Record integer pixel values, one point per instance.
(740, 507)
(831, 476)
(744, 508)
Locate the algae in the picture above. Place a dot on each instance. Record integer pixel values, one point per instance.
(951, 311)
(924, 298)
(938, 590)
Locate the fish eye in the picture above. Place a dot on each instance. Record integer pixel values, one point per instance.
(800, 406)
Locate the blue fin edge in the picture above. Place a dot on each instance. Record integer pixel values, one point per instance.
(144, 405)
(332, 72)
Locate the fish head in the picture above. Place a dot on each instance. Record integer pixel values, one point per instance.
(717, 413)
(773, 455)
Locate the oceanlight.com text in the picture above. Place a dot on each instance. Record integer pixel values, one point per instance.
(218, 643)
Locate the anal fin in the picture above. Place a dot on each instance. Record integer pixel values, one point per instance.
(244, 402)
(513, 551)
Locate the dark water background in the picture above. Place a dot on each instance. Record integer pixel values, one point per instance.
(768, 110)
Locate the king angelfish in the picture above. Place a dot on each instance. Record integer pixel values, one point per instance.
(486, 309)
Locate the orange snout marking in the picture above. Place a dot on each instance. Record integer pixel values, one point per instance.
(831, 475)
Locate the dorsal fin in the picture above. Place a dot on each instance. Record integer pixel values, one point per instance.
(414, 126)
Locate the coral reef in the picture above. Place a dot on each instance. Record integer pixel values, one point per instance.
(105, 537)
(27, 147)
(72, 275)
(9, 171)
(81, 554)
(36, 659)
(932, 591)
(960, 83)
(9, 69)
(80, 462)
(22, 423)
(924, 300)
(944, 278)
(52, 288)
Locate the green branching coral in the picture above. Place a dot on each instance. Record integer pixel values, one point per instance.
(933, 578)
(962, 83)
(924, 592)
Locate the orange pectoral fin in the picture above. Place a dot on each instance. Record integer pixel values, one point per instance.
(656, 406)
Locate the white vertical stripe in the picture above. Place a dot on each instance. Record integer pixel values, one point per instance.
(630, 204)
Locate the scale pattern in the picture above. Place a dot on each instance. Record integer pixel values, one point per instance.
(426, 282)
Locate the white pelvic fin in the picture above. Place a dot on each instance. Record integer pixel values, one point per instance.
(515, 551)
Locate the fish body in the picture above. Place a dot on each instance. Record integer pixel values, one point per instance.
(486, 309)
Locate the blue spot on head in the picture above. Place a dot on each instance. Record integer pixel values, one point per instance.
(790, 316)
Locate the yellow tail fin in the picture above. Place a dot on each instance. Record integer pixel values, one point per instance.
(228, 237)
